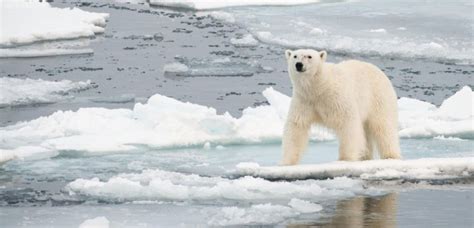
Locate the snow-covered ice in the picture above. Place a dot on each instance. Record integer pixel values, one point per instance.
(98, 222)
(367, 27)
(416, 169)
(164, 122)
(245, 41)
(175, 67)
(28, 91)
(25, 22)
(214, 4)
(259, 214)
(173, 186)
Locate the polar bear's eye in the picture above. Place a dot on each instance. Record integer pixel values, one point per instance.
(309, 57)
(294, 56)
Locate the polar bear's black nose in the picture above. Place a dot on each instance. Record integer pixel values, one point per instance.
(299, 66)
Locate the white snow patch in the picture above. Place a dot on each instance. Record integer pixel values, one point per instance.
(424, 168)
(175, 68)
(98, 222)
(245, 41)
(30, 21)
(37, 91)
(164, 122)
(214, 4)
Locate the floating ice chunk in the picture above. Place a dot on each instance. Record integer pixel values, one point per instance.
(418, 169)
(37, 91)
(260, 214)
(459, 106)
(245, 41)
(378, 30)
(98, 222)
(205, 5)
(40, 21)
(165, 185)
(304, 206)
(317, 31)
(30, 53)
(124, 98)
(222, 16)
(441, 137)
(401, 28)
(453, 118)
(175, 67)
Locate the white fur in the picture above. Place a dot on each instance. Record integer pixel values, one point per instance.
(353, 98)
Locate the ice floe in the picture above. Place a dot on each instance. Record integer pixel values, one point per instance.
(245, 41)
(206, 5)
(164, 122)
(259, 214)
(417, 169)
(30, 21)
(28, 91)
(220, 67)
(30, 53)
(173, 186)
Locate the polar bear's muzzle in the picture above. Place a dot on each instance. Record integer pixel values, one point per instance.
(299, 67)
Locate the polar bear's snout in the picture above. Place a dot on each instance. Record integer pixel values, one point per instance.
(299, 67)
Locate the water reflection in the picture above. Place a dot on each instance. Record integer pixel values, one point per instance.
(362, 212)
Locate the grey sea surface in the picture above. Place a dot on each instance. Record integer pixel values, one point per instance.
(127, 66)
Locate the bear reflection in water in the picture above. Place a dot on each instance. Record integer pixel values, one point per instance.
(361, 212)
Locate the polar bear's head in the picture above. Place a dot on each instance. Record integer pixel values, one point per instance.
(305, 61)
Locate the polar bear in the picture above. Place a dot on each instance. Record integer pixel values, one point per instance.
(353, 98)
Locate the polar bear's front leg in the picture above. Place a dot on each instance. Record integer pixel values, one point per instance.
(295, 140)
(296, 132)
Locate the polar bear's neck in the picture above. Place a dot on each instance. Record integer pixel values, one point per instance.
(313, 86)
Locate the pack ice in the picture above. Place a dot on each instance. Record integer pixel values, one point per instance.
(164, 122)
(31, 21)
(27, 91)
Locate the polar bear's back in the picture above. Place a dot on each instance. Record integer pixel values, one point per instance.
(374, 91)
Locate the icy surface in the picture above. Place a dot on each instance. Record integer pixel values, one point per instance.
(245, 41)
(37, 91)
(367, 27)
(417, 169)
(172, 186)
(260, 214)
(30, 21)
(98, 222)
(164, 122)
(206, 5)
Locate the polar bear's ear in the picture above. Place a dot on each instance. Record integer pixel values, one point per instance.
(288, 54)
(323, 55)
